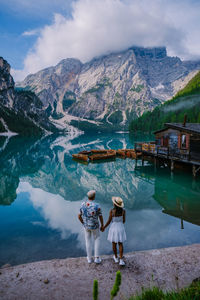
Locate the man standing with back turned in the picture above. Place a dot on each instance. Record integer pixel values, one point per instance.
(89, 216)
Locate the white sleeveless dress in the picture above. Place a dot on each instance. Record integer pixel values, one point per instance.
(116, 231)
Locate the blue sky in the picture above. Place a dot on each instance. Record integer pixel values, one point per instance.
(35, 34)
(19, 16)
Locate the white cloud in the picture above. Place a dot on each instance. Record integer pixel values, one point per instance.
(59, 213)
(142, 233)
(31, 32)
(101, 26)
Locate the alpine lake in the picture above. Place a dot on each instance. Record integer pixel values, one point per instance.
(42, 188)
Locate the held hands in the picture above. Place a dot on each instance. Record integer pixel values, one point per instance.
(102, 228)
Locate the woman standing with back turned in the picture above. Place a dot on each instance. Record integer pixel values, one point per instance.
(116, 233)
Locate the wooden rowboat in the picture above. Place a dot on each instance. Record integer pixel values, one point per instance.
(85, 152)
(107, 155)
(131, 153)
(99, 151)
(128, 154)
(121, 152)
(103, 154)
(82, 157)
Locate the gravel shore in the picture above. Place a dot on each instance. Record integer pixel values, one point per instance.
(72, 278)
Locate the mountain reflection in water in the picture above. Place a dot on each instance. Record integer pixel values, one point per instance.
(42, 189)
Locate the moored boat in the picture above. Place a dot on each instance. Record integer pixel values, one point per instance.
(108, 155)
(85, 152)
(103, 154)
(82, 157)
(99, 151)
(121, 152)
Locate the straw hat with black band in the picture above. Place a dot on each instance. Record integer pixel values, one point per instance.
(118, 201)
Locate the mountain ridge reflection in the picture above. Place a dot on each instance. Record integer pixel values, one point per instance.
(42, 221)
(47, 164)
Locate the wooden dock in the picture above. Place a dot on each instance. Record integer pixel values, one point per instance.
(164, 156)
(175, 144)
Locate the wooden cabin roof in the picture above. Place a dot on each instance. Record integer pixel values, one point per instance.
(189, 127)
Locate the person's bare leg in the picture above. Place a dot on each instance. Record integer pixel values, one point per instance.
(121, 250)
(114, 246)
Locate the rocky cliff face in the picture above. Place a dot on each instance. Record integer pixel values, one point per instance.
(6, 84)
(111, 89)
(20, 111)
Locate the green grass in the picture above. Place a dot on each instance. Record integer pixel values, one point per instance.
(116, 286)
(190, 293)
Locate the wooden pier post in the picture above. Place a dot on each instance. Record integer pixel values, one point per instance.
(193, 170)
(182, 226)
(172, 165)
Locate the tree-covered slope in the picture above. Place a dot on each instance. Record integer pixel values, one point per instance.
(192, 88)
(186, 101)
(18, 122)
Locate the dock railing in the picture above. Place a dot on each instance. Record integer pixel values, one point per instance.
(152, 148)
(145, 147)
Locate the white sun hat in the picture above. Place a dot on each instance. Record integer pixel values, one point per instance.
(118, 201)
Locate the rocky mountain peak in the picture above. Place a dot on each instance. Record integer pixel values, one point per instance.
(111, 89)
(4, 66)
(153, 53)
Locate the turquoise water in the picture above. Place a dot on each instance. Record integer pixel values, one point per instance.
(41, 189)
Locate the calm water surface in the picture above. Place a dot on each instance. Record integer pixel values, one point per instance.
(41, 189)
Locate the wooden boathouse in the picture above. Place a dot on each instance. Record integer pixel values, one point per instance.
(177, 143)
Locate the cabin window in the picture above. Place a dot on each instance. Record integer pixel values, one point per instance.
(166, 141)
(183, 141)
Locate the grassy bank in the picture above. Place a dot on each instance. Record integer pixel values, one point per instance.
(190, 293)
(155, 293)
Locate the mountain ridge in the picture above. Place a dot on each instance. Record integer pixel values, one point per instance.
(185, 102)
(112, 89)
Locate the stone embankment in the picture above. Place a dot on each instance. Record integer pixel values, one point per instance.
(72, 278)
